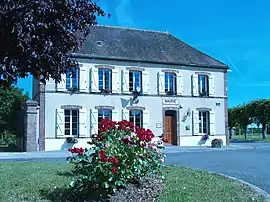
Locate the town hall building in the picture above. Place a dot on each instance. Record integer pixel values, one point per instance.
(150, 78)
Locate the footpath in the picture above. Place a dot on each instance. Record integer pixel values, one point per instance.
(168, 149)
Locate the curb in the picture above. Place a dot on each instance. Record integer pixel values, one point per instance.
(208, 149)
(252, 186)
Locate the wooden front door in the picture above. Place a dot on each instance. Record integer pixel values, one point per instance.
(170, 127)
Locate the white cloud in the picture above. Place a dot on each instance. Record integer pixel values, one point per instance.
(234, 67)
(123, 14)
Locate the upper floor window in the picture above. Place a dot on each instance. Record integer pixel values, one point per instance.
(135, 81)
(136, 117)
(170, 83)
(72, 78)
(71, 122)
(104, 114)
(203, 85)
(104, 79)
(204, 122)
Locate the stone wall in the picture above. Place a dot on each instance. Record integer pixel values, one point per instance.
(31, 126)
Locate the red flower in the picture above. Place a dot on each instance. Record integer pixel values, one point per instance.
(125, 140)
(114, 170)
(106, 125)
(102, 156)
(113, 160)
(100, 137)
(142, 144)
(165, 140)
(79, 151)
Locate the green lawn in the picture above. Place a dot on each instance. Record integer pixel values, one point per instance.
(185, 184)
(254, 137)
(24, 181)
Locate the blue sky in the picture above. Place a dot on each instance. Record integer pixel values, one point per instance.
(235, 32)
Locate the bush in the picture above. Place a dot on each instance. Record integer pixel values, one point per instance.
(217, 143)
(122, 154)
(9, 138)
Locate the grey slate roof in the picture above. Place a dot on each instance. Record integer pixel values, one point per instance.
(128, 44)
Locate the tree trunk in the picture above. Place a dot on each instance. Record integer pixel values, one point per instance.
(245, 132)
(230, 132)
(264, 130)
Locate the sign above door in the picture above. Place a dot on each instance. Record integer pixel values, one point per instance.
(170, 101)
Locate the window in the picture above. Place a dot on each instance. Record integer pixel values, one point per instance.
(104, 114)
(72, 78)
(204, 122)
(104, 79)
(135, 81)
(203, 83)
(71, 122)
(170, 83)
(136, 117)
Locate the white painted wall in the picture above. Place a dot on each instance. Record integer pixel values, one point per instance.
(152, 102)
(62, 145)
(196, 140)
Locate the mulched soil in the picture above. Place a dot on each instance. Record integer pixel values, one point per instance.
(146, 190)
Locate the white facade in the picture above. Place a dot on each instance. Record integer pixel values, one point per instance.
(153, 103)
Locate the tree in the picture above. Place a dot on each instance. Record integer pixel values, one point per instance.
(261, 111)
(37, 36)
(11, 101)
(239, 116)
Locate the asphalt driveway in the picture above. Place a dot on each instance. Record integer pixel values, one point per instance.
(251, 165)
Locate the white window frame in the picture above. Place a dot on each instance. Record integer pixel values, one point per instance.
(104, 80)
(206, 84)
(174, 82)
(71, 80)
(134, 117)
(103, 116)
(134, 80)
(201, 124)
(70, 122)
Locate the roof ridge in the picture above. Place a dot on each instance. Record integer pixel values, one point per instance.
(137, 29)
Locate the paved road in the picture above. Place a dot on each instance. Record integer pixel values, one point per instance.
(251, 165)
(248, 161)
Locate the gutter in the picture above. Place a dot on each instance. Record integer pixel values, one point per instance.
(88, 56)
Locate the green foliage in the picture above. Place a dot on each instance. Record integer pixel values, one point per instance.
(37, 37)
(9, 139)
(257, 111)
(11, 101)
(120, 157)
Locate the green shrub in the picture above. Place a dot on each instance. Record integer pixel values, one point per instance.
(120, 156)
(9, 138)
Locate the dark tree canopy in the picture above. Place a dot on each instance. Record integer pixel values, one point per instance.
(37, 36)
(11, 101)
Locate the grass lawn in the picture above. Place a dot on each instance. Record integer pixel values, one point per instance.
(251, 138)
(24, 181)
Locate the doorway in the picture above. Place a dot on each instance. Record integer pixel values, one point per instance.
(170, 127)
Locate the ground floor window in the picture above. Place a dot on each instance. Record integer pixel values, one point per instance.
(104, 114)
(71, 122)
(204, 122)
(136, 117)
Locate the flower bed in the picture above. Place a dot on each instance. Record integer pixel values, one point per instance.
(123, 154)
